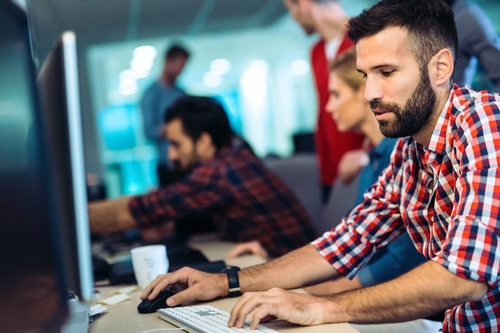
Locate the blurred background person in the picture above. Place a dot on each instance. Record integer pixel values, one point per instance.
(155, 102)
(328, 19)
(477, 42)
(223, 183)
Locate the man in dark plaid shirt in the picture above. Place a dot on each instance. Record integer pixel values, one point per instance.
(247, 201)
(442, 186)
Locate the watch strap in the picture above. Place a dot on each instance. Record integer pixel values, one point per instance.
(233, 281)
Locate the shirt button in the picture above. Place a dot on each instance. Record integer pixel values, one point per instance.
(430, 185)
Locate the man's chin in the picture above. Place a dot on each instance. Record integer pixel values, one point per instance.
(388, 129)
(180, 173)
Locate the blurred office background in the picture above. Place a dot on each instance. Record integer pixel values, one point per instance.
(249, 54)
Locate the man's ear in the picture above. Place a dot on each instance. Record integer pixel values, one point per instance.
(441, 67)
(204, 144)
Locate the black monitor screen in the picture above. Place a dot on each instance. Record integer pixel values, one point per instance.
(32, 296)
(59, 93)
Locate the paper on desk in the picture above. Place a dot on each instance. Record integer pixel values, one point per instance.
(126, 290)
(97, 309)
(114, 299)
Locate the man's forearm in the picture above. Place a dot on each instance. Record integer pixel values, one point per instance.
(299, 268)
(424, 291)
(110, 216)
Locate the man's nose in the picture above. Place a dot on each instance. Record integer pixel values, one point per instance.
(373, 90)
(172, 154)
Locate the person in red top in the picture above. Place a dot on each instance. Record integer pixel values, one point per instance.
(328, 19)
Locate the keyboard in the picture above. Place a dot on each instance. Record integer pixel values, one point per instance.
(204, 319)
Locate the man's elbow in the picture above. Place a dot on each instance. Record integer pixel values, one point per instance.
(471, 291)
(477, 290)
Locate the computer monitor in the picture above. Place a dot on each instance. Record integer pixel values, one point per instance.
(59, 93)
(32, 293)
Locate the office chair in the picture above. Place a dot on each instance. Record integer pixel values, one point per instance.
(339, 204)
(301, 174)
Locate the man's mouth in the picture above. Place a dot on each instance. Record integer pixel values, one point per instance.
(379, 111)
(381, 114)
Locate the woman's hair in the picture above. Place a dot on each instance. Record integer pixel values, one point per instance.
(344, 66)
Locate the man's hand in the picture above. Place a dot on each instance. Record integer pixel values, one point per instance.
(351, 164)
(189, 284)
(253, 247)
(302, 309)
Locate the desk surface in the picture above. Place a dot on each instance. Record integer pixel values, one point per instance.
(123, 317)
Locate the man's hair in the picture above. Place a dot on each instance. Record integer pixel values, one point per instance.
(175, 51)
(344, 66)
(202, 115)
(430, 25)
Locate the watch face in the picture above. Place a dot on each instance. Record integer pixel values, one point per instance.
(231, 269)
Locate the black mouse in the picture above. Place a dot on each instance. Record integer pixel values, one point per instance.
(150, 306)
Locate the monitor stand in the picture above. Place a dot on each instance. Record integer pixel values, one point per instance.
(78, 317)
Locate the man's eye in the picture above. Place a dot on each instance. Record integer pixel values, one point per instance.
(387, 73)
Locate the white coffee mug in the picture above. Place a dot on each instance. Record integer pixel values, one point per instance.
(149, 262)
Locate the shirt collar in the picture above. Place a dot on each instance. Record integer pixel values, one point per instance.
(438, 139)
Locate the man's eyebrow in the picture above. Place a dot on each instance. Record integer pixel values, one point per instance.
(376, 67)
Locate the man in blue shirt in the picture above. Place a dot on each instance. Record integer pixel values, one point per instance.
(155, 101)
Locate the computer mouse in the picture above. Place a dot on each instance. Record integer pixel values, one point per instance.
(150, 306)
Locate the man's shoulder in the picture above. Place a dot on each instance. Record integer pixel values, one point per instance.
(474, 111)
(233, 159)
(150, 91)
(318, 48)
(155, 85)
(466, 99)
(232, 155)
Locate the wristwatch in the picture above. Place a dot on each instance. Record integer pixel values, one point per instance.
(232, 278)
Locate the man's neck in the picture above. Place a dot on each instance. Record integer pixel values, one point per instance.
(424, 136)
(166, 83)
(166, 80)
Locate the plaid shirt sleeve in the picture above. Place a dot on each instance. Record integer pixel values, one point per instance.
(201, 190)
(370, 226)
(472, 246)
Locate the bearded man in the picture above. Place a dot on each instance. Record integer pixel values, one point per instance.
(218, 175)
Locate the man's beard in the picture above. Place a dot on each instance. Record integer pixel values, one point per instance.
(414, 115)
(179, 172)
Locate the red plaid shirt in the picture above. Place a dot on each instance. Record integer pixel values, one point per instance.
(248, 202)
(447, 195)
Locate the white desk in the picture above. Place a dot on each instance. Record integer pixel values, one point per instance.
(123, 317)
